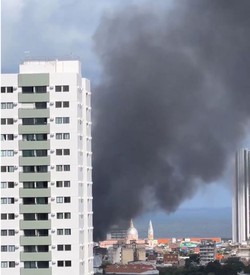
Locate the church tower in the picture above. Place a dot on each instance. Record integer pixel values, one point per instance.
(150, 231)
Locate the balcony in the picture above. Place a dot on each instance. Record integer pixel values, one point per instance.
(35, 256)
(31, 145)
(35, 208)
(29, 113)
(34, 176)
(36, 271)
(34, 160)
(29, 98)
(42, 240)
(35, 225)
(34, 192)
(34, 129)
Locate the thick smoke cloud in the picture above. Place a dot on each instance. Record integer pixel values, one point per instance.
(172, 105)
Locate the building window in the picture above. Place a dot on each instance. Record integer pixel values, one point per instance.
(4, 264)
(67, 263)
(40, 89)
(63, 136)
(34, 121)
(9, 216)
(59, 231)
(59, 215)
(62, 104)
(66, 183)
(7, 105)
(9, 232)
(7, 121)
(59, 199)
(12, 264)
(6, 89)
(29, 264)
(59, 184)
(40, 105)
(34, 137)
(64, 88)
(67, 215)
(34, 153)
(4, 248)
(7, 153)
(66, 167)
(5, 137)
(36, 89)
(27, 90)
(11, 248)
(35, 169)
(67, 231)
(60, 247)
(7, 200)
(60, 168)
(60, 263)
(60, 152)
(7, 169)
(66, 199)
(4, 232)
(62, 120)
(7, 184)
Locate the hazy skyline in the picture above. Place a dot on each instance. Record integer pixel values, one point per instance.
(164, 51)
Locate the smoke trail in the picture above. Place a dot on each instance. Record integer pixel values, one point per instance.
(172, 105)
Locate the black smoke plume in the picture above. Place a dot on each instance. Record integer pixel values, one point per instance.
(172, 105)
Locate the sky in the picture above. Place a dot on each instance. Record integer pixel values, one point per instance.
(105, 35)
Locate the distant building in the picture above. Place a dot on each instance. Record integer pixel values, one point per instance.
(171, 258)
(244, 252)
(133, 269)
(207, 251)
(240, 204)
(117, 234)
(123, 253)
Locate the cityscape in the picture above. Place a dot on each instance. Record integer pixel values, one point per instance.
(130, 153)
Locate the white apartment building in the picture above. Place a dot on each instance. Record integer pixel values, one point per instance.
(46, 170)
(240, 204)
(207, 251)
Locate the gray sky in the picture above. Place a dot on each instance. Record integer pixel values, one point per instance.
(84, 29)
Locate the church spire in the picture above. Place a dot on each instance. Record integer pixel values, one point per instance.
(131, 224)
(150, 231)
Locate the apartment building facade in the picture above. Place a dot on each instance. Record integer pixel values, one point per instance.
(46, 170)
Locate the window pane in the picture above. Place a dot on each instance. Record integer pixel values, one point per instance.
(59, 247)
(9, 89)
(65, 88)
(66, 136)
(40, 105)
(58, 88)
(58, 104)
(59, 152)
(27, 90)
(59, 184)
(67, 263)
(65, 104)
(40, 89)
(67, 183)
